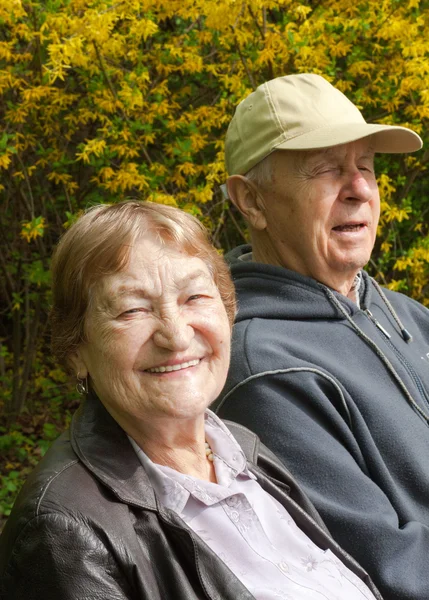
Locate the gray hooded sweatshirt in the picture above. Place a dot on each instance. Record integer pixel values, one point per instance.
(341, 395)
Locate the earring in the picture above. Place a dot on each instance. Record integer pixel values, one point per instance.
(82, 385)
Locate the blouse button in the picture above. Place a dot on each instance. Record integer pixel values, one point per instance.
(283, 566)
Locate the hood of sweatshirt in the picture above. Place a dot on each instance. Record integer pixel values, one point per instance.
(262, 292)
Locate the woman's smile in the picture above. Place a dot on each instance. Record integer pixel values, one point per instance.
(174, 367)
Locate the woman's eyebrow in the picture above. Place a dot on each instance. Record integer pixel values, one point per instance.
(140, 291)
(199, 274)
(130, 290)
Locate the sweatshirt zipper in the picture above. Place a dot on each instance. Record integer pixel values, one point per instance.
(401, 357)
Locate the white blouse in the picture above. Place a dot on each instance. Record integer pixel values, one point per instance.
(249, 530)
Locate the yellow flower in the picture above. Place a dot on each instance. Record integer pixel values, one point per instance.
(33, 229)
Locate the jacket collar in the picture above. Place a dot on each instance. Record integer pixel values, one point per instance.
(105, 450)
(103, 447)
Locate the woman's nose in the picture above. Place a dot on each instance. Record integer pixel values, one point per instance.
(173, 333)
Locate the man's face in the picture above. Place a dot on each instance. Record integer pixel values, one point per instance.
(322, 209)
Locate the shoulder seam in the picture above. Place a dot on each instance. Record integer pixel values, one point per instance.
(245, 336)
(286, 371)
(49, 481)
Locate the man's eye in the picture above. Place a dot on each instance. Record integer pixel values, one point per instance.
(328, 170)
(194, 297)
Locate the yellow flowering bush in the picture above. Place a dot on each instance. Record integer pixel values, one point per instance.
(103, 99)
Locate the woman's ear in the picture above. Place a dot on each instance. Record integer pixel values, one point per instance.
(78, 365)
(244, 194)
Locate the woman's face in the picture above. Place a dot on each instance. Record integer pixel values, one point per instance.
(158, 336)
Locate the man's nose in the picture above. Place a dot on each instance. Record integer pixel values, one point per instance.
(173, 333)
(357, 187)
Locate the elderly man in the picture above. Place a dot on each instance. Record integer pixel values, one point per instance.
(329, 369)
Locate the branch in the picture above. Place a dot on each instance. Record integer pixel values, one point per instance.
(66, 192)
(237, 226)
(377, 270)
(411, 178)
(113, 92)
(30, 207)
(243, 61)
(252, 14)
(220, 223)
(7, 275)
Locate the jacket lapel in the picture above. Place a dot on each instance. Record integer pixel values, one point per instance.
(103, 447)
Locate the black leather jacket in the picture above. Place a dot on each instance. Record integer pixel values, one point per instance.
(87, 525)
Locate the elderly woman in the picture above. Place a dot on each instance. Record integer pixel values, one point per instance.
(149, 496)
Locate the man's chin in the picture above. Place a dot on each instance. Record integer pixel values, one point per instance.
(349, 261)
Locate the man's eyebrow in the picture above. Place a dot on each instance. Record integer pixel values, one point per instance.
(329, 152)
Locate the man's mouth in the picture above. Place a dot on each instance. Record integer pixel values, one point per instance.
(350, 227)
(178, 367)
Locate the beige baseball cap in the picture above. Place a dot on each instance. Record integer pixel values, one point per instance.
(302, 112)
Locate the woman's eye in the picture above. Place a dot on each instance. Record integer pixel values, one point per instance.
(194, 297)
(132, 311)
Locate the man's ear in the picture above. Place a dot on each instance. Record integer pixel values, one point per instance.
(244, 194)
(78, 365)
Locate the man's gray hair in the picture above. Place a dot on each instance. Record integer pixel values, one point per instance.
(262, 173)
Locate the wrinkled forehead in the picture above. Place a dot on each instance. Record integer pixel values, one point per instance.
(152, 266)
(363, 148)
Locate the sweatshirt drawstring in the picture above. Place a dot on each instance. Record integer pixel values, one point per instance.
(374, 346)
(404, 332)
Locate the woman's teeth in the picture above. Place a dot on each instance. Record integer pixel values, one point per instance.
(167, 369)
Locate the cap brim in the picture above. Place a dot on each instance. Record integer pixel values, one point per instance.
(389, 139)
